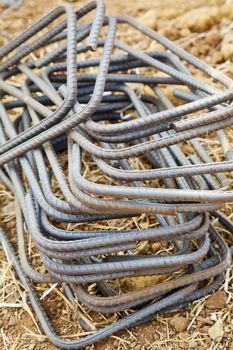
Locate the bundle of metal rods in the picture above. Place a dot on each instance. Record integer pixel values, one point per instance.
(72, 94)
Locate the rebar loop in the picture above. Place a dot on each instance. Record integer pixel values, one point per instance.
(89, 138)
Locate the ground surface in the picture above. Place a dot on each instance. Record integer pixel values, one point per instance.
(204, 27)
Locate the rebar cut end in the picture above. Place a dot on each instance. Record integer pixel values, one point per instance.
(92, 46)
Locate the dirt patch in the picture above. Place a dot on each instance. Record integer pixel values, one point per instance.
(205, 29)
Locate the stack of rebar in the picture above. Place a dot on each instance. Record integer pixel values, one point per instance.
(72, 94)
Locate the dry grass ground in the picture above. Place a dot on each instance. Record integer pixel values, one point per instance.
(203, 27)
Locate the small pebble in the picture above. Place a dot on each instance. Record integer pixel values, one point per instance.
(133, 344)
(205, 329)
(155, 246)
(182, 335)
(213, 317)
(192, 344)
(216, 332)
(156, 336)
(216, 300)
(31, 347)
(180, 323)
